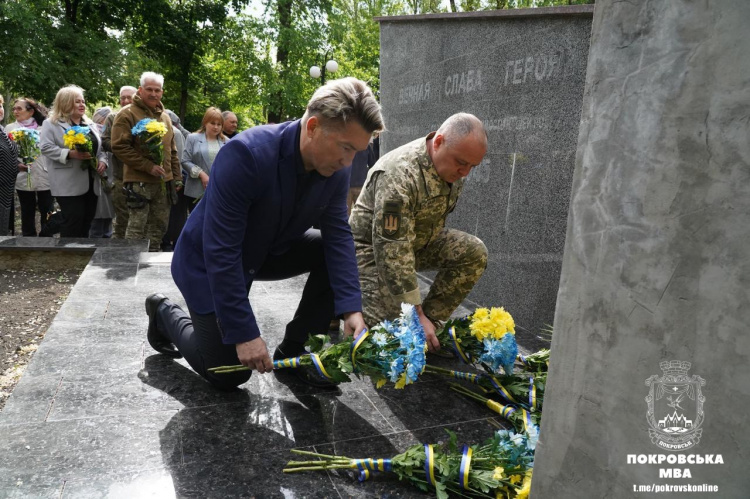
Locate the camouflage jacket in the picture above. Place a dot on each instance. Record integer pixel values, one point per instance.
(403, 206)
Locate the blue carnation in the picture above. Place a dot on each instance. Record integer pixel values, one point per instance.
(397, 367)
(140, 127)
(81, 129)
(500, 353)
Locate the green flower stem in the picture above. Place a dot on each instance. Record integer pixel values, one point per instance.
(315, 454)
(318, 468)
(294, 464)
(465, 391)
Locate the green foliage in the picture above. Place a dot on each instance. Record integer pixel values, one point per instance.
(211, 52)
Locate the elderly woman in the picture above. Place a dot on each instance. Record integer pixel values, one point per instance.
(200, 151)
(101, 226)
(71, 177)
(8, 170)
(32, 183)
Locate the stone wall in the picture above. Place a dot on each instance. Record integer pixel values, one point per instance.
(657, 262)
(522, 73)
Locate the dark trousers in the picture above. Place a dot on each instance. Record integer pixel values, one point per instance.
(31, 201)
(199, 339)
(177, 218)
(78, 212)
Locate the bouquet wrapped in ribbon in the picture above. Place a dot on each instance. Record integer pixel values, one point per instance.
(391, 351)
(149, 133)
(486, 338)
(536, 362)
(78, 138)
(28, 148)
(525, 390)
(500, 467)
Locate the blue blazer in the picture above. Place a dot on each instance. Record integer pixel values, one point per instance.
(248, 212)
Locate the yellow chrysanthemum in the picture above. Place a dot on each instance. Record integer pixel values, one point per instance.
(156, 128)
(494, 323)
(515, 479)
(499, 473)
(523, 492)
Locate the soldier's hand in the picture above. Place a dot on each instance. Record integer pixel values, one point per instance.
(429, 331)
(157, 171)
(354, 323)
(254, 354)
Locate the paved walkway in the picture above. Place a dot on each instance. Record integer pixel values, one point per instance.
(99, 414)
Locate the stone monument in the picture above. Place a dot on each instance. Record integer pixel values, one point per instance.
(522, 73)
(648, 384)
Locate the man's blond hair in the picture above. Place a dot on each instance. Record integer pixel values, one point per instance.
(343, 101)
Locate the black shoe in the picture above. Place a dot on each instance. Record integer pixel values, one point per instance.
(156, 338)
(304, 374)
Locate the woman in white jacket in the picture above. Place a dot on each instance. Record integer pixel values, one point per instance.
(200, 151)
(71, 180)
(32, 182)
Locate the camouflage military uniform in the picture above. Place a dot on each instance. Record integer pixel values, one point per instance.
(398, 224)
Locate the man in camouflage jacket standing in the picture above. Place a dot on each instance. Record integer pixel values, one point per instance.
(398, 225)
(150, 185)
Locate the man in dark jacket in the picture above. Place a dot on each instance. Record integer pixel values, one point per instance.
(268, 186)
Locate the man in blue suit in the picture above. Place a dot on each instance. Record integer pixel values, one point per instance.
(268, 186)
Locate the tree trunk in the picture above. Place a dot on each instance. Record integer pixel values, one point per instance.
(453, 6)
(276, 106)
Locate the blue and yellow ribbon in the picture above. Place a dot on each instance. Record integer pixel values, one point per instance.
(429, 464)
(291, 362)
(471, 377)
(463, 473)
(356, 344)
(500, 389)
(504, 410)
(527, 421)
(457, 347)
(366, 466)
(319, 366)
(532, 394)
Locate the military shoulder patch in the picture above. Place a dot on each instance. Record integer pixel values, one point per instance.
(391, 218)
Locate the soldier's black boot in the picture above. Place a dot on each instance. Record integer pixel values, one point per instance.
(156, 338)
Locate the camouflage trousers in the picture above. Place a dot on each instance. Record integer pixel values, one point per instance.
(150, 220)
(121, 211)
(458, 257)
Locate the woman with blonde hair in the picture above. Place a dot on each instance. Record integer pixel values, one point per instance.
(200, 151)
(71, 179)
(32, 182)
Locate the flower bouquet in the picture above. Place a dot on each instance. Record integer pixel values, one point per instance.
(525, 390)
(500, 467)
(536, 362)
(391, 351)
(78, 138)
(28, 148)
(487, 338)
(149, 133)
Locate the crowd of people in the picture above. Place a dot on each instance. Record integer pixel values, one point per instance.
(114, 186)
(308, 196)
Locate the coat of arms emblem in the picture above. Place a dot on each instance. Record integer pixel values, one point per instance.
(675, 406)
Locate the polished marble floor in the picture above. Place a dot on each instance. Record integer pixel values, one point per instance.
(99, 414)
